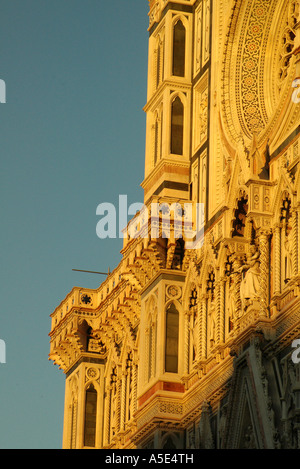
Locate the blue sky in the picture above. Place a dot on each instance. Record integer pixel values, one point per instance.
(72, 136)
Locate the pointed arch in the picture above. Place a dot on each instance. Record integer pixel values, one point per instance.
(90, 416)
(170, 441)
(177, 125)
(179, 42)
(172, 338)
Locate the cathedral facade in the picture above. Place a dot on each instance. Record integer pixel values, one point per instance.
(194, 345)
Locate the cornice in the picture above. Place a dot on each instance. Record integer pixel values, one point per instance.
(178, 85)
(180, 162)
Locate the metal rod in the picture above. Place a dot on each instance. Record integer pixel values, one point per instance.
(90, 272)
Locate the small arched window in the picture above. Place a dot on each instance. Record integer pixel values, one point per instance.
(172, 334)
(179, 49)
(90, 417)
(177, 126)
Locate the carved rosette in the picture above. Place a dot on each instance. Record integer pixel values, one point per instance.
(92, 374)
(173, 292)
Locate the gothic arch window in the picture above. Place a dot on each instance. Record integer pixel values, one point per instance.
(84, 334)
(179, 39)
(90, 417)
(177, 119)
(172, 336)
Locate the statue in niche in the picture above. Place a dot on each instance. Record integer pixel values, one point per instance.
(227, 172)
(250, 285)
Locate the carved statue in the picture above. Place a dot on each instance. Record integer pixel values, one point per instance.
(250, 285)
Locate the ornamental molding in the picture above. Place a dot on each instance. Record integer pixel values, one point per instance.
(251, 67)
(174, 86)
